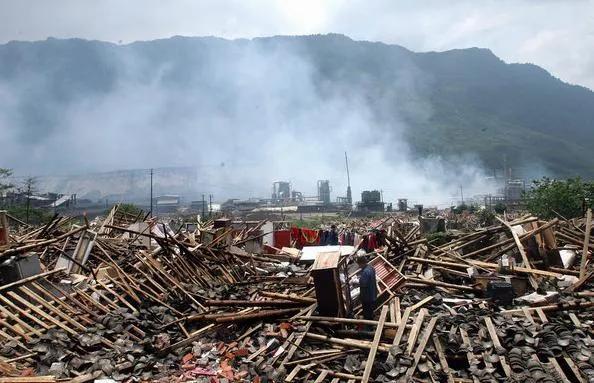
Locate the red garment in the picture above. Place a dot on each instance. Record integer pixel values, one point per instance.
(311, 237)
(296, 237)
(304, 237)
(371, 242)
(282, 238)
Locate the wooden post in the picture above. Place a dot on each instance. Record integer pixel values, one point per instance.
(374, 344)
(421, 348)
(586, 243)
(4, 233)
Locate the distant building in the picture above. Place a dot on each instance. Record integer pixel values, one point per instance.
(281, 191)
(167, 204)
(324, 191)
(238, 205)
(514, 190)
(371, 201)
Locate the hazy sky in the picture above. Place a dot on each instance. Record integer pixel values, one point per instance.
(557, 35)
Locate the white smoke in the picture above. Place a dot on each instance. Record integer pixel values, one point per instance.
(244, 121)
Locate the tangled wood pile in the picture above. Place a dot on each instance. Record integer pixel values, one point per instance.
(129, 299)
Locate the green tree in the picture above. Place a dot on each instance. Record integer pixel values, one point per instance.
(499, 208)
(35, 216)
(486, 217)
(129, 208)
(29, 187)
(4, 184)
(565, 197)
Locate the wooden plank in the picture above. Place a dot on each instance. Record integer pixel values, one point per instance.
(559, 370)
(401, 328)
(29, 379)
(298, 341)
(32, 295)
(350, 343)
(492, 331)
(472, 360)
(119, 297)
(574, 369)
(15, 329)
(18, 320)
(346, 321)
(421, 348)
(289, 341)
(541, 315)
(575, 320)
(7, 336)
(497, 343)
(293, 373)
(414, 332)
(522, 251)
(67, 298)
(442, 359)
(25, 313)
(552, 360)
(392, 309)
(421, 303)
(193, 337)
(42, 313)
(586, 243)
(321, 377)
(528, 315)
(315, 357)
(376, 339)
(397, 309)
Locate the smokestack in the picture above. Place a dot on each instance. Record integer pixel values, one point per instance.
(349, 195)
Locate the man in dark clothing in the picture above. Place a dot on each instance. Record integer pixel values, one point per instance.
(367, 286)
(332, 238)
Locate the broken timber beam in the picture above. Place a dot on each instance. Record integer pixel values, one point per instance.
(248, 303)
(586, 243)
(375, 344)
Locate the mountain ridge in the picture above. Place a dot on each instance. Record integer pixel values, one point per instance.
(459, 101)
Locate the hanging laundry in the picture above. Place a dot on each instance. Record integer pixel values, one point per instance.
(311, 237)
(371, 242)
(282, 238)
(296, 237)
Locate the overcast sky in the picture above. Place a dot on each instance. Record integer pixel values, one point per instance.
(557, 35)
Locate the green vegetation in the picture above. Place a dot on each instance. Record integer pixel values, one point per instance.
(439, 238)
(33, 215)
(464, 207)
(28, 188)
(314, 221)
(565, 197)
(500, 208)
(4, 185)
(486, 217)
(130, 208)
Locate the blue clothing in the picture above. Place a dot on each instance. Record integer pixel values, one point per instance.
(368, 285)
(332, 238)
(368, 309)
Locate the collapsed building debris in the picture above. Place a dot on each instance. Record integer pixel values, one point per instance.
(128, 298)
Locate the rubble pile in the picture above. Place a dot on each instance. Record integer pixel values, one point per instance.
(129, 299)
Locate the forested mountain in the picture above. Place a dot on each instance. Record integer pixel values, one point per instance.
(191, 89)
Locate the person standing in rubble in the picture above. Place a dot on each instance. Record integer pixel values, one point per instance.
(332, 238)
(367, 287)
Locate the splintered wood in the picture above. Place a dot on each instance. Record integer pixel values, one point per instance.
(133, 299)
